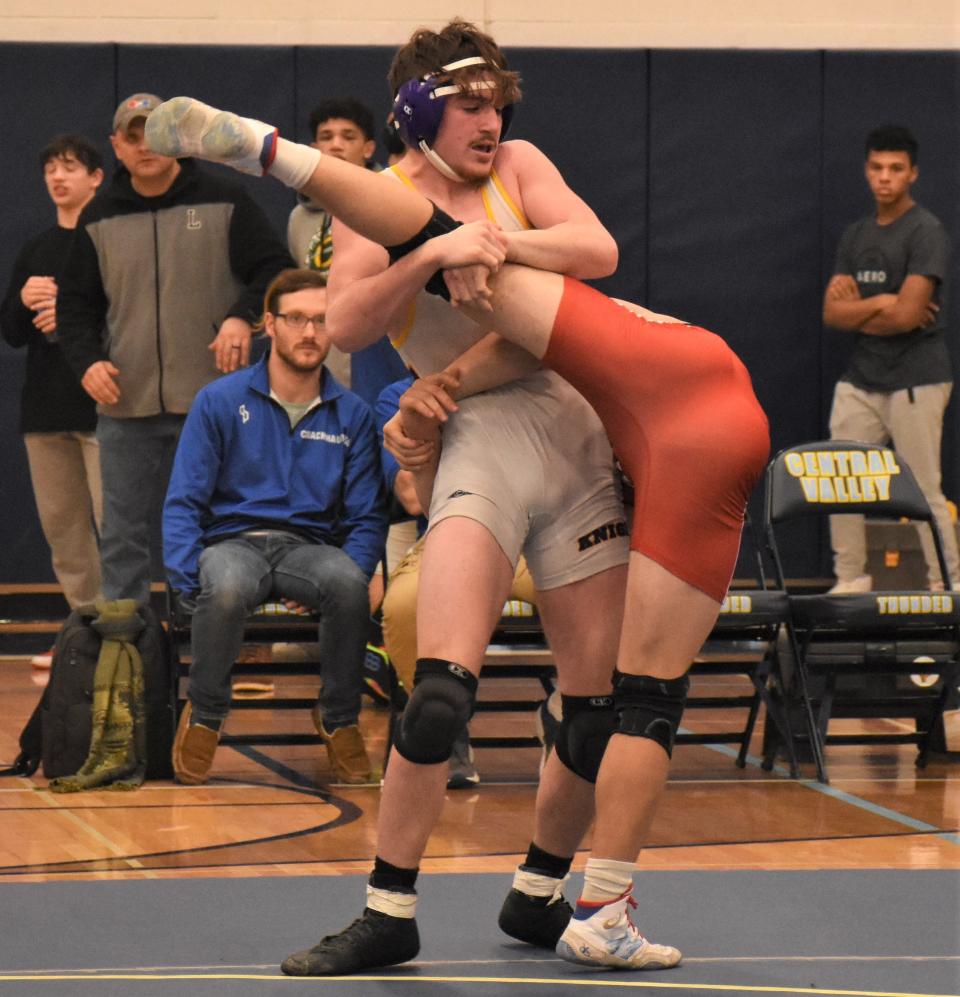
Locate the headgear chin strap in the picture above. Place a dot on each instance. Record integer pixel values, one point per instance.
(418, 110)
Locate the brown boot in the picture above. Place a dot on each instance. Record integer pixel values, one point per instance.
(347, 753)
(193, 750)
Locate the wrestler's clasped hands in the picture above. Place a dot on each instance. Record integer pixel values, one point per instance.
(411, 454)
(468, 256)
(412, 433)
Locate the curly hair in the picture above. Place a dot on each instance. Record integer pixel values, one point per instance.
(428, 51)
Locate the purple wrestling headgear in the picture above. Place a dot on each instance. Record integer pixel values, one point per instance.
(418, 109)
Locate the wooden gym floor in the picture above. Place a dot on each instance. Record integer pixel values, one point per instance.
(270, 811)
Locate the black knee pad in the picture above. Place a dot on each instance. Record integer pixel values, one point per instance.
(439, 707)
(650, 707)
(588, 722)
(440, 223)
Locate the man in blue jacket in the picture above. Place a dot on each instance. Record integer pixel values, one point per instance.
(276, 493)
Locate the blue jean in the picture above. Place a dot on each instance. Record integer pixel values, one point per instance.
(238, 574)
(136, 456)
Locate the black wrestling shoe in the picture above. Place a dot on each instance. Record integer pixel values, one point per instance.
(373, 940)
(538, 921)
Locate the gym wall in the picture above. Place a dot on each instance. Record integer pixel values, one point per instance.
(931, 24)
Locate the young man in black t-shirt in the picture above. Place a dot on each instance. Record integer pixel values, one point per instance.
(889, 287)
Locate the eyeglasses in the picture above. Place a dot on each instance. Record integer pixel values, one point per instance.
(299, 322)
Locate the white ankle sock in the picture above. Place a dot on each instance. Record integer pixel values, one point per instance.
(293, 164)
(535, 884)
(606, 879)
(394, 904)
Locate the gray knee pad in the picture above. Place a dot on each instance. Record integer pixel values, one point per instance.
(440, 223)
(439, 707)
(650, 707)
(588, 722)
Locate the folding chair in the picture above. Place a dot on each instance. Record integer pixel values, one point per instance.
(855, 654)
(745, 641)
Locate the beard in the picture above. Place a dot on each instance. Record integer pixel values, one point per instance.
(302, 365)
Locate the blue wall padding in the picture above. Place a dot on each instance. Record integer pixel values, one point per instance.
(47, 89)
(587, 110)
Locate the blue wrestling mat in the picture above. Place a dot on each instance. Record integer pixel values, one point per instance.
(865, 932)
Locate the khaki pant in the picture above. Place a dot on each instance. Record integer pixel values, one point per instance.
(65, 474)
(400, 610)
(912, 420)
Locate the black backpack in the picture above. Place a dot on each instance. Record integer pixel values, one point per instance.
(59, 731)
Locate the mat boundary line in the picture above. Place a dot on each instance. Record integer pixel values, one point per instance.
(503, 980)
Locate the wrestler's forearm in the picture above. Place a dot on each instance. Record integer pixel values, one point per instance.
(401, 434)
(577, 249)
(524, 306)
(491, 362)
(423, 479)
(361, 309)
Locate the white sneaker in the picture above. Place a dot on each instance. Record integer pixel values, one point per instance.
(183, 126)
(607, 937)
(862, 583)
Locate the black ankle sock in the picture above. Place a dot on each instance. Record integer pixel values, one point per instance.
(391, 877)
(542, 862)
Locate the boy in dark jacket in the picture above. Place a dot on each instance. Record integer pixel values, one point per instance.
(57, 417)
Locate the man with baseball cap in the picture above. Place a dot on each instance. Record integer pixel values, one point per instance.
(159, 294)
(138, 105)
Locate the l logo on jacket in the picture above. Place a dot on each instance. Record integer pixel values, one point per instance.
(193, 222)
(244, 414)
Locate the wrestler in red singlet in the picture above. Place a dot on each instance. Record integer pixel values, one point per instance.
(679, 408)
